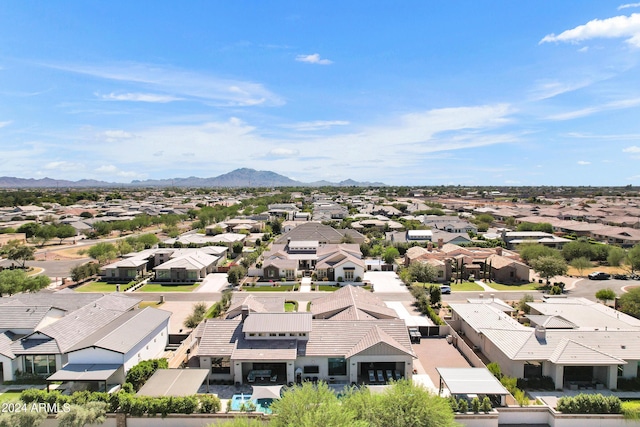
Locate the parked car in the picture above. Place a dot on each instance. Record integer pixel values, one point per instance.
(445, 289)
(599, 275)
(620, 276)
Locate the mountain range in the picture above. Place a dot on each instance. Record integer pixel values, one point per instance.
(243, 177)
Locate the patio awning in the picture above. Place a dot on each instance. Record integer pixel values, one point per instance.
(266, 392)
(470, 381)
(174, 382)
(85, 372)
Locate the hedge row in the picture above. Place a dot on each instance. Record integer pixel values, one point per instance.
(590, 404)
(128, 403)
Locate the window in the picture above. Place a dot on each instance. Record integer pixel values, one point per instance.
(311, 369)
(40, 364)
(282, 334)
(337, 366)
(272, 334)
(221, 365)
(533, 369)
(348, 275)
(620, 370)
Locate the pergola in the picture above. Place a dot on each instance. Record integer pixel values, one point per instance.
(471, 381)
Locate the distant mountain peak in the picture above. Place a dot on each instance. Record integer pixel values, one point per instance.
(242, 177)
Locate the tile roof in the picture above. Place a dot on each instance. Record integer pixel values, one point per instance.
(125, 332)
(351, 303)
(277, 322)
(22, 317)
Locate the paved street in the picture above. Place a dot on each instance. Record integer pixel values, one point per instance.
(52, 269)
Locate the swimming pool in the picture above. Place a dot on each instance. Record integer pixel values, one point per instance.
(262, 405)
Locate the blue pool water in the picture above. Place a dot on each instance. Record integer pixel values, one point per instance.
(262, 405)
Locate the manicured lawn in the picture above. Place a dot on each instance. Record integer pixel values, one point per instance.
(328, 288)
(10, 395)
(281, 288)
(523, 287)
(465, 286)
(290, 306)
(157, 287)
(99, 287)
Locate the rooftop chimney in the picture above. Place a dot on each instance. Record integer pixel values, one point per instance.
(245, 312)
(499, 250)
(541, 333)
(440, 243)
(430, 246)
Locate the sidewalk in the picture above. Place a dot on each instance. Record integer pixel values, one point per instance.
(486, 287)
(305, 284)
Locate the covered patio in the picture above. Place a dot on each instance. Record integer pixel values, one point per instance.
(94, 377)
(472, 382)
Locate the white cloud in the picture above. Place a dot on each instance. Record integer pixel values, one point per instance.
(633, 149)
(583, 162)
(549, 89)
(616, 27)
(177, 84)
(615, 105)
(583, 49)
(313, 59)
(63, 165)
(628, 5)
(7, 123)
(114, 135)
(316, 125)
(139, 97)
(283, 153)
(114, 171)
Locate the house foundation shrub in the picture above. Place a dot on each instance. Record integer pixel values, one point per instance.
(589, 404)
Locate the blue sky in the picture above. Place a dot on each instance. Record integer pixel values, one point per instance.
(406, 93)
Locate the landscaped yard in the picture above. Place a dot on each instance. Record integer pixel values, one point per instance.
(281, 288)
(465, 286)
(10, 395)
(158, 287)
(99, 287)
(328, 288)
(522, 287)
(290, 306)
(611, 270)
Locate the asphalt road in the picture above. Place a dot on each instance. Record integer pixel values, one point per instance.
(587, 288)
(52, 269)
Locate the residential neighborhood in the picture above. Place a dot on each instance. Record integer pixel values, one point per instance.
(246, 292)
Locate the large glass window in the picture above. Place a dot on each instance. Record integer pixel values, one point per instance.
(348, 275)
(220, 365)
(337, 366)
(40, 364)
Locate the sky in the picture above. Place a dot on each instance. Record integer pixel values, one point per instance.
(469, 92)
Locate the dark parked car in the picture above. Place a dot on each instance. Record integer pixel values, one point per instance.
(599, 275)
(620, 276)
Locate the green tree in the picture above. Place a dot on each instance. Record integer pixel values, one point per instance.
(549, 266)
(123, 247)
(29, 229)
(65, 231)
(390, 255)
(580, 264)
(577, 249)
(102, 252)
(605, 295)
(422, 272)
(236, 274)
(616, 256)
(22, 418)
(82, 415)
(530, 251)
(435, 294)
(633, 258)
(46, 233)
(12, 281)
(403, 404)
(312, 405)
(17, 251)
(629, 303)
(149, 240)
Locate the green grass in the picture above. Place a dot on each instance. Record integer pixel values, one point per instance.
(630, 409)
(328, 288)
(157, 287)
(291, 306)
(99, 287)
(523, 287)
(281, 288)
(10, 395)
(465, 286)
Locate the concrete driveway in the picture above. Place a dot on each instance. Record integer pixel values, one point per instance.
(385, 281)
(214, 282)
